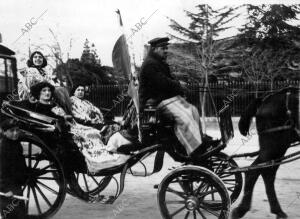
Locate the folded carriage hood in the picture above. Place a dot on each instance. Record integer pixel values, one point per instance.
(6, 51)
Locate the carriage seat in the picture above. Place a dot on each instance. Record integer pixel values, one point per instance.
(150, 115)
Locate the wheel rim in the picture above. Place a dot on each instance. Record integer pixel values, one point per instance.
(190, 193)
(45, 184)
(219, 163)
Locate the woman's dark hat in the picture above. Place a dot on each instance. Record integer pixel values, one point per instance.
(159, 42)
(35, 90)
(75, 87)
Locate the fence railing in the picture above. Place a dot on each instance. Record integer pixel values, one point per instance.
(236, 94)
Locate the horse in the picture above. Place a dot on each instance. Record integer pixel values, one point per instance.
(277, 124)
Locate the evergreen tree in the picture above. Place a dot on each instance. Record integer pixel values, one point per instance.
(95, 55)
(207, 23)
(85, 57)
(267, 42)
(271, 25)
(89, 54)
(205, 27)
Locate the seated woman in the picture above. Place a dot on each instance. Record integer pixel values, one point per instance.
(37, 72)
(87, 139)
(83, 110)
(86, 113)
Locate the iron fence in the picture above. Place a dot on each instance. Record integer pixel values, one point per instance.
(235, 94)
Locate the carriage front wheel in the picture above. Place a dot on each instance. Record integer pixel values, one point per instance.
(219, 164)
(45, 185)
(193, 192)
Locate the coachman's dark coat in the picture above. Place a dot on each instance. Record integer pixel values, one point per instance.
(156, 81)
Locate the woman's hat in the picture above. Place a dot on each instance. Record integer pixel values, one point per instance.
(35, 90)
(75, 87)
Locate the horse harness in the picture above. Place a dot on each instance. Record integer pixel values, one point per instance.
(290, 123)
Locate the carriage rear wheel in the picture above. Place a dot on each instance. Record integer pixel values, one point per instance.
(221, 162)
(193, 192)
(84, 185)
(45, 185)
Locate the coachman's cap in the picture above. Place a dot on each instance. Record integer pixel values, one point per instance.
(159, 42)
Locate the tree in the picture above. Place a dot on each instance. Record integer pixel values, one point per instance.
(89, 54)
(271, 25)
(205, 27)
(95, 55)
(268, 41)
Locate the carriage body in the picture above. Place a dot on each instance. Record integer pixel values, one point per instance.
(65, 164)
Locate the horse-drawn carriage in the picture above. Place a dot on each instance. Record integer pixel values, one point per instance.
(204, 188)
(56, 167)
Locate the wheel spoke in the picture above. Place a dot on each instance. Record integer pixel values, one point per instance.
(187, 215)
(28, 196)
(47, 187)
(201, 214)
(43, 195)
(224, 175)
(175, 202)
(98, 184)
(211, 211)
(46, 167)
(36, 201)
(180, 194)
(85, 182)
(208, 192)
(183, 187)
(201, 189)
(229, 184)
(48, 178)
(178, 211)
(194, 213)
(36, 164)
(228, 180)
(219, 165)
(212, 194)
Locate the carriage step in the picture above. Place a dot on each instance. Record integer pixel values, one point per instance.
(155, 186)
(102, 199)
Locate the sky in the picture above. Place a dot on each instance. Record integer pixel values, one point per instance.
(27, 24)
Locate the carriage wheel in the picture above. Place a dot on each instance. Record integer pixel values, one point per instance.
(193, 192)
(83, 185)
(45, 185)
(233, 181)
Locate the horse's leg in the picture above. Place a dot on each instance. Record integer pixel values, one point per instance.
(250, 180)
(269, 175)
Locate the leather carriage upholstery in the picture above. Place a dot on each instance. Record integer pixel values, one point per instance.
(18, 111)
